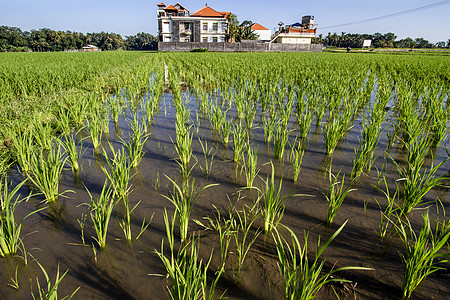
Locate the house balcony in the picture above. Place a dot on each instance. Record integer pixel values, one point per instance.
(186, 32)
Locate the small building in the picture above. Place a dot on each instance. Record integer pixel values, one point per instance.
(90, 48)
(177, 24)
(297, 33)
(263, 33)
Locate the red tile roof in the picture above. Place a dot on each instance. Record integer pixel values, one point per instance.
(161, 4)
(170, 7)
(257, 26)
(209, 12)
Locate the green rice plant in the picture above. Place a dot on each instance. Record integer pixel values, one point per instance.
(100, 210)
(416, 180)
(95, 130)
(304, 122)
(301, 277)
(51, 292)
(392, 209)
(225, 130)
(274, 203)
(296, 160)
(239, 139)
(23, 148)
(249, 114)
(336, 194)
(320, 111)
(421, 258)
(250, 167)
(117, 170)
(243, 238)
(187, 272)
(442, 225)
(208, 161)
(43, 133)
(46, 171)
(224, 229)
(115, 108)
(332, 133)
(183, 198)
(137, 141)
(269, 126)
(70, 145)
(9, 227)
(280, 140)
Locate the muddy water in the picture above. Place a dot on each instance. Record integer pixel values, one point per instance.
(127, 271)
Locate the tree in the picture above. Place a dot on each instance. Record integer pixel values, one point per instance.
(245, 32)
(233, 28)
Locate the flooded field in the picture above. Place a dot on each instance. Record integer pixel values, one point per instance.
(246, 138)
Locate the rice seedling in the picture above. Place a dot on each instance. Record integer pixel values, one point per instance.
(274, 203)
(115, 108)
(137, 141)
(239, 139)
(51, 292)
(46, 171)
(243, 239)
(43, 133)
(296, 159)
(95, 129)
(14, 281)
(100, 210)
(389, 212)
(280, 140)
(422, 255)
(302, 278)
(442, 225)
(269, 125)
(9, 227)
(187, 272)
(23, 147)
(117, 170)
(225, 130)
(305, 122)
(250, 167)
(336, 194)
(70, 145)
(416, 180)
(224, 229)
(183, 198)
(332, 133)
(206, 154)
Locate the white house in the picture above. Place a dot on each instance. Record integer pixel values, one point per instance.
(264, 33)
(297, 33)
(177, 24)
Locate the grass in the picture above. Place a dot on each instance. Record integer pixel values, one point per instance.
(302, 278)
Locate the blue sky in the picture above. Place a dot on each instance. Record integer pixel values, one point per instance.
(133, 16)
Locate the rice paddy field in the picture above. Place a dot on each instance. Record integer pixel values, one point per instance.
(134, 175)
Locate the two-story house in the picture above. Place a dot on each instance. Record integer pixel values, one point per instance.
(177, 24)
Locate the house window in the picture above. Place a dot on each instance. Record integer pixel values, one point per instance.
(215, 26)
(215, 39)
(167, 39)
(205, 26)
(224, 27)
(205, 40)
(222, 39)
(186, 26)
(187, 40)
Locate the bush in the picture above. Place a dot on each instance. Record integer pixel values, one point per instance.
(199, 50)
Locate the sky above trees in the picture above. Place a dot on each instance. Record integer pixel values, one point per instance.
(133, 16)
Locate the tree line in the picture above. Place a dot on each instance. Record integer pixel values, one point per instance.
(379, 40)
(14, 39)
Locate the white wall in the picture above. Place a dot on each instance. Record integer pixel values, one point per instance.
(264, 34)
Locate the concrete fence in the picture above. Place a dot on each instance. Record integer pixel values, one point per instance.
(238, 47)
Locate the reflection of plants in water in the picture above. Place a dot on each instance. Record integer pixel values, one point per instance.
(301, 277)
(336, 194)
(421, 257)
(183, 198)
(46, 170)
